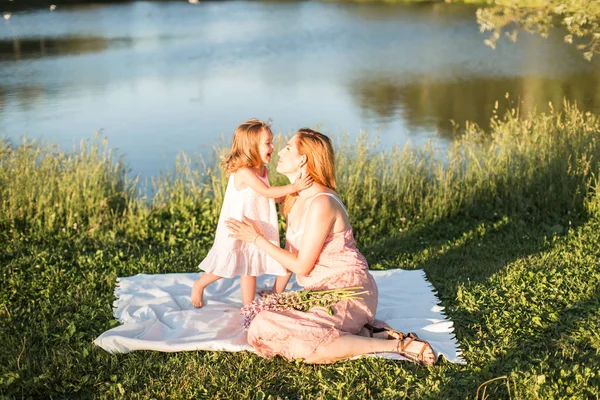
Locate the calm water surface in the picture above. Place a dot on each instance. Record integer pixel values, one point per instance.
(157, 78)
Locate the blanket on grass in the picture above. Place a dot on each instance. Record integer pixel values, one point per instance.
(156, 313)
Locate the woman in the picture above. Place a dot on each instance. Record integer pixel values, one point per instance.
(321, 251)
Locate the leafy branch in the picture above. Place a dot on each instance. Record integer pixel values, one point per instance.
(580, 18)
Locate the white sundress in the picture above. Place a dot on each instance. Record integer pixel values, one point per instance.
(230, 257)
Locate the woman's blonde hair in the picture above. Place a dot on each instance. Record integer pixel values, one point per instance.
(245, 146)
(320, 161)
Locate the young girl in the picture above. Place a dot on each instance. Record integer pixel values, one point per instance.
(248, 194)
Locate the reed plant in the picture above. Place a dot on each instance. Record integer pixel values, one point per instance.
(46, 190)
(544, 164)
(539, 165)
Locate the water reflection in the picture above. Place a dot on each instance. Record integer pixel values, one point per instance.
(440, 12)
(160, 77)
(26, 48)
(434, 103)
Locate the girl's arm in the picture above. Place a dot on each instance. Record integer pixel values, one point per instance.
(320, 219)
(248, 177)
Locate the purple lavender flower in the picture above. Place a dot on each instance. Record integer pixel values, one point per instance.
(300, 300)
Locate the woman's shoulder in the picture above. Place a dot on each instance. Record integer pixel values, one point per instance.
(325, 200)
(326, 211)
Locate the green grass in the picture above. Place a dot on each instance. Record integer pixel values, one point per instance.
(506, 225)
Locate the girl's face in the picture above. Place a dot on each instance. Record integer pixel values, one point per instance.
(266, 146)
(289, 158)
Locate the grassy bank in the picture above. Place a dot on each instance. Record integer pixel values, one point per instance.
(505, 224)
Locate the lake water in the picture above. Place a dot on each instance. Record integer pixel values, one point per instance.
(157, 78)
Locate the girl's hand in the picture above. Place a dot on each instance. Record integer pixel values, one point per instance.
(244, 230)
(303, 182)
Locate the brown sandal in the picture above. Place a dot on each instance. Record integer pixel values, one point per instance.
(402, 346)
(392, 334)
(372, 330)
(418, 357)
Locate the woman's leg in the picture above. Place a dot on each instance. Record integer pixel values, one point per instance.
(199, 285)
(248, 285)
(349, 346)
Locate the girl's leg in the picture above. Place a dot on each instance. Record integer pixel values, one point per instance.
(248, 285)
(198, 289)
(348, 346)
(281, 282)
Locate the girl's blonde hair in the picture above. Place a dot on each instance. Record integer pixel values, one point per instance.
(320, 161)
(245, 146)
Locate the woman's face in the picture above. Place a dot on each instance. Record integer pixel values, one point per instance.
(289, 159)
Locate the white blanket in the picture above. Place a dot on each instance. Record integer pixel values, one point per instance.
(156, 313)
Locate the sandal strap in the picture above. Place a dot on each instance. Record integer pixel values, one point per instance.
(402, 346)
(407, 340)
(421, 355)
(372, 330)
(391, 332)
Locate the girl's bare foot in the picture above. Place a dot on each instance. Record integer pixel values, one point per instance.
(197, 294)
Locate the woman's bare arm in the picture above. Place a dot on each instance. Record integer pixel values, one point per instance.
(320, 219)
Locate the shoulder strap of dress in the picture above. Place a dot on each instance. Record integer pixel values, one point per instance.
(327, 194)
(264, 178)
(307, 206)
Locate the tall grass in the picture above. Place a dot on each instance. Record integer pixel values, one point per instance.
(537, 166)
(44, 189)
(540, 165)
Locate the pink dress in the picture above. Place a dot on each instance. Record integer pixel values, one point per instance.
(229, 257)
(296, 334)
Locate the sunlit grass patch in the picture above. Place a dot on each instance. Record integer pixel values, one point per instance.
(505, 223)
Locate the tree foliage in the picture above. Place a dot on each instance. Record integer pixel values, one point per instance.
(580, 18)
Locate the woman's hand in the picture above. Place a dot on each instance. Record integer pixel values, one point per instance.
(244, 230)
